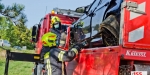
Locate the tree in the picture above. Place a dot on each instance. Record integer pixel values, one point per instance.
(13, 25)
(14, 13)
(3, 27)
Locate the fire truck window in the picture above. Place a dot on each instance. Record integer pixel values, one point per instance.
(64, 27)
(81, 34)
(94, 5)
(86, 27)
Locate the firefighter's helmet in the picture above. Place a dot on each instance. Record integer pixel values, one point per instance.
(49, 39)
(55, 21)
(80, 24)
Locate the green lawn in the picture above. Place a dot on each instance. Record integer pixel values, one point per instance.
(16, 67)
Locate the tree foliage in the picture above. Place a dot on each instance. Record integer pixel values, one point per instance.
(13, 25)
(14, 13)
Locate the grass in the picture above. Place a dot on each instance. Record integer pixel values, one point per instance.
(15, 67)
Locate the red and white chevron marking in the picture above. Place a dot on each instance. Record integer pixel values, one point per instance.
(137, 33)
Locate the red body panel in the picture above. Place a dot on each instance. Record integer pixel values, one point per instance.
(136, 27)
(134, 54)
(96, 61)
(104, 60)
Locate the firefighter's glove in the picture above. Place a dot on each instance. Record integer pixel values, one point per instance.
(80, 45)
(84, 43)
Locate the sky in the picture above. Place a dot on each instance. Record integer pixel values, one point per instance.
(36, 9)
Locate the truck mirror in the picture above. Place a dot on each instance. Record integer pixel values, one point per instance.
(34, 30)
(33, 39)
(34, 33)
(85, 10)
(80, 10)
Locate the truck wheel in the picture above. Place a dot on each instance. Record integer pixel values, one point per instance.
(110, 31)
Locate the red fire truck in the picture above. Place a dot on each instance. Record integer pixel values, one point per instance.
(119, 44)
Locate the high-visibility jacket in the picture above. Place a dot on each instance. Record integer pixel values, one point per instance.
(54, 59)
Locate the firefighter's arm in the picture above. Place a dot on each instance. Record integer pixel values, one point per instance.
(66, 55)
(70, 54)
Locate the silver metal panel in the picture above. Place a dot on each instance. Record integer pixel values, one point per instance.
(121, 25)
(142, 67)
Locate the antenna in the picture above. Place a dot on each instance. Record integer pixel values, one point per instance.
(46, 10)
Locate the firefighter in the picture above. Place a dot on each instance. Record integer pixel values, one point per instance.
(54, 57)
(57, 29)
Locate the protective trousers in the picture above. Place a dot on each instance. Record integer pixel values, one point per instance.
(53, 69)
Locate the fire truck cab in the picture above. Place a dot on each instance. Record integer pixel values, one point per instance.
(67, 17)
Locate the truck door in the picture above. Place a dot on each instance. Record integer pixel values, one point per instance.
(135, 24)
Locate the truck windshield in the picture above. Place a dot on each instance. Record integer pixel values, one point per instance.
(93, 5)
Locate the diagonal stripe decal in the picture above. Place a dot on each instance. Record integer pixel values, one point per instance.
(136, 34)
(141, 7)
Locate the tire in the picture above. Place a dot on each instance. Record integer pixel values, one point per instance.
(110, 31)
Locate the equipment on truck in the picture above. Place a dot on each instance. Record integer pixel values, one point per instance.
(66, 12)
(118, 31)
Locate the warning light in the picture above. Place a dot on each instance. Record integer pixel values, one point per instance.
(52, 12)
